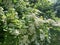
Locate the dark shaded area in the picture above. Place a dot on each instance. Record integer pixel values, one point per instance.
(55, 37)
(57, 8)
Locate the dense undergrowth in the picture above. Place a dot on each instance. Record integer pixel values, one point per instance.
(28, 22)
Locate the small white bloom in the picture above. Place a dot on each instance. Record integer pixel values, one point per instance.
(56, 24)
(33, 15)
(15, 32)
(41, 20)
(42, 36)
(16, 13)
(41, 30)
(13, 9)
(1, 8)
(36, 22)
(50, 21)
(48, 28)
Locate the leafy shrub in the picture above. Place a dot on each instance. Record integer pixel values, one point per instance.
(21, 23)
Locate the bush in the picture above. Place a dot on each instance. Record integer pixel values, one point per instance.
(25, 22)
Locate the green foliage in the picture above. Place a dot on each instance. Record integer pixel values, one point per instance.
(28, 22)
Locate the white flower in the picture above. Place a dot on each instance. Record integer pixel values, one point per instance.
(50, 21)
(15, 32)
(33, 15)
(56, 24)
(41, 30)
(31, 29)
(39, 20)
(42, 36)
(3, 18)
(1, 8)
(36, 22)
(13, 9)
(16, 13)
